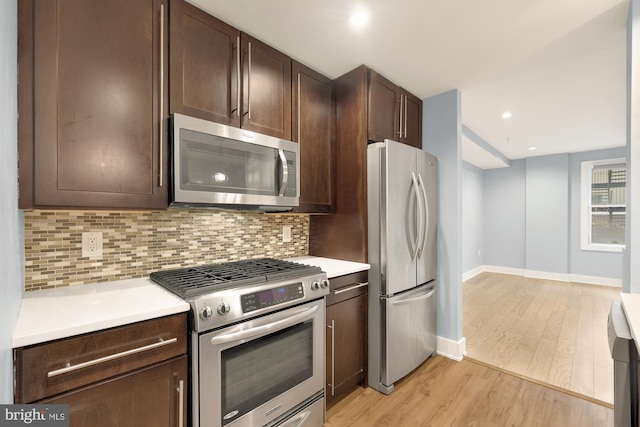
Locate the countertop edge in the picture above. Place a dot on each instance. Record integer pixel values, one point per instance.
(53, 314)
(42, 337)
(333, 267)
(631, 308)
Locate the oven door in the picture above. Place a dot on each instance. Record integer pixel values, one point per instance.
(253, 372)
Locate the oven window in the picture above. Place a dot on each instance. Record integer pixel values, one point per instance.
(259, 370)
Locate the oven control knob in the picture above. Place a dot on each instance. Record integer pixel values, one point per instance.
(324, 283)
(206, 312)
(223, 309)
(315, 286)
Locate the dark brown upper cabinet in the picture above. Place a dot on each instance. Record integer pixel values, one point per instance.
(223, 75)
(205, 66)
(393, 112)
(92, 100)
(412, 119)
(384, 102)
(266, 89)
(314, 129)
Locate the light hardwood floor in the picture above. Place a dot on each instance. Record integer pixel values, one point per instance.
(552, 332)
(443, 392)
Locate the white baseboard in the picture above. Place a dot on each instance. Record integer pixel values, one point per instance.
(472, 273)
(560, 277)
(546, 275)
(595, 280)
(452, 349)
(503, 270)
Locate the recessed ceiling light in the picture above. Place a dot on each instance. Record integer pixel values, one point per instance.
(532, 148)
(359, 18)
(506, 115)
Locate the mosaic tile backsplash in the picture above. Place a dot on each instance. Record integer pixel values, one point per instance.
(137, 243)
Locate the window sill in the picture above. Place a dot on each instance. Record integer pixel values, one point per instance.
(602, 248)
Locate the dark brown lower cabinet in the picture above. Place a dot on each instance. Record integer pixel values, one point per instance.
(154, 396)
(346, 336)
(129, 375)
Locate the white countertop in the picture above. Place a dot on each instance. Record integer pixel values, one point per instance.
(51, 314)
(333, 267)
(631, 306)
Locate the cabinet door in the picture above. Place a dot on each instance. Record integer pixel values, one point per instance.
(412, 133)
(345, 346)
(266, 89)
(154, 396)
(99, 135)
(384, 102)
(314, 129)
(204, 65)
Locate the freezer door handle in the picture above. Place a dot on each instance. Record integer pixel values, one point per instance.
(411, 300)
(425, 218)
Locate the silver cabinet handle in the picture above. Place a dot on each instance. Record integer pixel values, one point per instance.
(405, 116)
(181, 403)
(249, 86)
(93, 362)
(333, 357)
(264, 329)
(298, 108)
(425, 217)
(400, 119)
(285, 173)
(350, 288)
(238, 75)
(161, 115)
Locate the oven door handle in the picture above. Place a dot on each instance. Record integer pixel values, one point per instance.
(264, 329)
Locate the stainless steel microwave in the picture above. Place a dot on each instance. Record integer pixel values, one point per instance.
(222, 166)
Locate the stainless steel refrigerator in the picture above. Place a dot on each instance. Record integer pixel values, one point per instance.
(402, 221)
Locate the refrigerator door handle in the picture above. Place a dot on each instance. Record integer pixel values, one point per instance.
(416, 198)
(411, 300)
(425, 232)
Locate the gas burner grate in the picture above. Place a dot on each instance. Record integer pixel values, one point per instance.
(193, 281)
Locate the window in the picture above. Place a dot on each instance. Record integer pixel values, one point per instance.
(603, 205)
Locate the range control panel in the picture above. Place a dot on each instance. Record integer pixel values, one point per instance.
(267, 298)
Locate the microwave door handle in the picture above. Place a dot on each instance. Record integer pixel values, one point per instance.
(285, 173)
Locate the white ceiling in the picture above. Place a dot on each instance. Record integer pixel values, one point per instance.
(557, 65)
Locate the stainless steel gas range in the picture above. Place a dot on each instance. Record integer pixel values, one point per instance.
(257, 341)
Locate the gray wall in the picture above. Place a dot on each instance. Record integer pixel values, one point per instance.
(547, 214)
(11, 247)
(589, 263)
(442, 137)
(631, 266)
(472, 217)
(531, 217)
(504, 213)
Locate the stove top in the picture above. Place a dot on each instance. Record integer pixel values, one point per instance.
(206, 279)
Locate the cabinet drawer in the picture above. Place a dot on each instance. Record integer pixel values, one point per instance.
(46, 369)
(348, 286)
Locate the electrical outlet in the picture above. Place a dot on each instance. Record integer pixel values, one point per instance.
(286, 233)
(92, 244)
